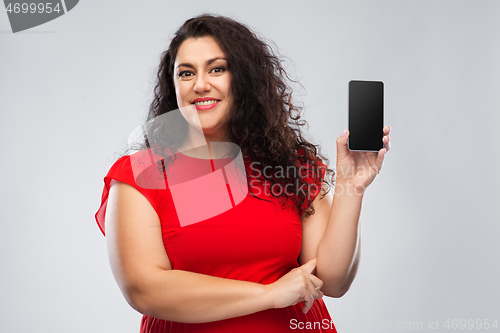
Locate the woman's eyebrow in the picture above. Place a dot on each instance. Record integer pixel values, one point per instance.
(186, 64)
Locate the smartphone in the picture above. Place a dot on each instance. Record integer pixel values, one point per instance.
(366, 115)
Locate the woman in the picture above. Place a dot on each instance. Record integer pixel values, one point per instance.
(255, 265)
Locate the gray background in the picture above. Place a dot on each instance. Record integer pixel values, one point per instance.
(73, 89)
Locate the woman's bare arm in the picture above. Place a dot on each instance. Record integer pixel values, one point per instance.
(143, 272)
(189, 297)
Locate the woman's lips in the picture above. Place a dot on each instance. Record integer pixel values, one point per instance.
(205, 107)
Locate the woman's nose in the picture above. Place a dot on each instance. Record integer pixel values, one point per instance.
(202, 85)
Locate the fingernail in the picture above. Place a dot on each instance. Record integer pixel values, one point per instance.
(345, 131)
(389, 127)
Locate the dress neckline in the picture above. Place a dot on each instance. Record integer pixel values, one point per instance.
(199, 158)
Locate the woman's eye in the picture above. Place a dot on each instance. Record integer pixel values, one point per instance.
(218, 69)
(184, 74)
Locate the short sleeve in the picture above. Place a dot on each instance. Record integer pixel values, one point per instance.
(122, 171)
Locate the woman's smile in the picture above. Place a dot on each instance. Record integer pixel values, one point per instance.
(205, 103)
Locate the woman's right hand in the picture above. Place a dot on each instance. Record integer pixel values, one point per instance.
(298, 285)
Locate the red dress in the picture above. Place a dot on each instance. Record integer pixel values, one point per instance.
(255, 240)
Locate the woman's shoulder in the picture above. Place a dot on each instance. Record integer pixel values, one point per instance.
(141, 169)
(126, 169)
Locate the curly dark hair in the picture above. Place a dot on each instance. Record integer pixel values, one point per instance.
(263, 122)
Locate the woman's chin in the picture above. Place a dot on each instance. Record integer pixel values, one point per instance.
(210, 132)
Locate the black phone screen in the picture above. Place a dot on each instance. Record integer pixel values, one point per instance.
(366, 115)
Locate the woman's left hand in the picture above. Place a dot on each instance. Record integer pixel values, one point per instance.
(359, 168)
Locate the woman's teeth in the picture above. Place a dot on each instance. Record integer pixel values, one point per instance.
(206, 102)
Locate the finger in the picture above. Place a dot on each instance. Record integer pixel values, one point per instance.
(387, 144)
(309, 266)
(320, 295)
(387, 130)
(317, 282)
(313, 294)
(308, 303)
(380, 158)
(342, 149)
(312, 289)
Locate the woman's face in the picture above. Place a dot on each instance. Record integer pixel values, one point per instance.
(201, 79)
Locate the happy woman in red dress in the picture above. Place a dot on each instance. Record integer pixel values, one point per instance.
(264, 263)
